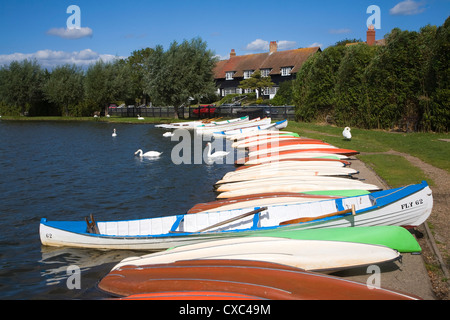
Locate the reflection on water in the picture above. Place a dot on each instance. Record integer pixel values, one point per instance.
(66, 171)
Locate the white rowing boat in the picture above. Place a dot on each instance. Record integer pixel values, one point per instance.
(406, 206)
(294, 172)
(312, 255)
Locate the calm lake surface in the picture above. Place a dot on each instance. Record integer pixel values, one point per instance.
(66, 171)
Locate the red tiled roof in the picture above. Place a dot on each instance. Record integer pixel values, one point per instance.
(288, 58)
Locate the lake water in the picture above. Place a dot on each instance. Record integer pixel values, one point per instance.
(66, 171)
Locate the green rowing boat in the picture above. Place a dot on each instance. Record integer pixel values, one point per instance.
(394, 237)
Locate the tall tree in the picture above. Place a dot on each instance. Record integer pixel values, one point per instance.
(183, 72)
(351, 103)
(136, 63)
(107, 82)
(256, 82)
(20, 85)
(64, 87)
(316, 84)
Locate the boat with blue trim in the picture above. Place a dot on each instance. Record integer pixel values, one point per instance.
(406, 206)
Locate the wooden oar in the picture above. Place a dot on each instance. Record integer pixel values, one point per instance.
(233, 219)
(298, 220)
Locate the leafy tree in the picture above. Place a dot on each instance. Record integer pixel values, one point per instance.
(284, 94)
(136, 63)
(315, 84)
(106, 83)
(256, 82)
(439, 80)
(20, 85)
(64, 87)
(351, 103)
(182, 73)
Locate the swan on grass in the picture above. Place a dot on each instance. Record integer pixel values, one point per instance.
(148, 154)
(346, 133)
(114, 134)
(217, 154)
(140, 118)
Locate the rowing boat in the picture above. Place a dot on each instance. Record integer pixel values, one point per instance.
(255, 278)
(294, 172)
(261, 134)
(236, 125)
(198, 123)
(315, 156)
(312, 255)
(293, 184)
(299, 162)
(253, 200)
(407, 206)
(261, 128)
(271, 140)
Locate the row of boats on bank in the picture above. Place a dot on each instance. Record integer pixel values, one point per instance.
(279, 226)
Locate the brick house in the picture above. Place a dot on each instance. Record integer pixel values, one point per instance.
(279, 65)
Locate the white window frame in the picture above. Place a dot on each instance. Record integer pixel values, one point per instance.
(286, 71)
(229, 75)
(248, 73)
(265, 72)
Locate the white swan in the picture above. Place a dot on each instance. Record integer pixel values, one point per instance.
(168, 134)
(346, 133)
(114, 134)
(140, 118)
(149, 154)
(216, 154)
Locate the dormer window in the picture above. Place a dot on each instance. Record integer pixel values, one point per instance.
(229, 75)
(248, 73)
(265, 72)
(286, 71)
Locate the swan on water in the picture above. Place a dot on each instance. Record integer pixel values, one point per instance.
(168, 134)
(114, 134)
(217, 153)
(140, 118)
(346, 133)
(150, 154)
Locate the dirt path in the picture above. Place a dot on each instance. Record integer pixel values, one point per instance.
(436, 250)
(435, 258)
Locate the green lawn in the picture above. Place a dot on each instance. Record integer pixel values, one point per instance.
(394, 169)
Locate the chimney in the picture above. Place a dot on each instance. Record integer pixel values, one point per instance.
(232, 53)
(273, 46)
(371, 35)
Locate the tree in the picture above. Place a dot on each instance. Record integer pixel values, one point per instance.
(64, 87)
(284, 94)
(136, 63)
(256, 82)
(351, 103)
(107, 82)
(314, 84)
(439, 80)
(183, 72)
(20, 85)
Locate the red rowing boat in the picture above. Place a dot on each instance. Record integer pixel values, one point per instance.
(253, 278)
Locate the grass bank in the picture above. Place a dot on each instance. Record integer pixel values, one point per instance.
(395, 170)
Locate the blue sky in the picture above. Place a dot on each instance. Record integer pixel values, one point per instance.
(108, 29)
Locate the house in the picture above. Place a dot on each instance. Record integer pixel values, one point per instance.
(279, 65)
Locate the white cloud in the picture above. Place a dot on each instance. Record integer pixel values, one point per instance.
(50, 59)
(407, 7)
(258, 45)
(285, 44)
(72, 33)
(340, 31)
(263, 45)
(315, 44)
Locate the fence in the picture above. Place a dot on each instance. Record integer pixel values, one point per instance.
(210, 111)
